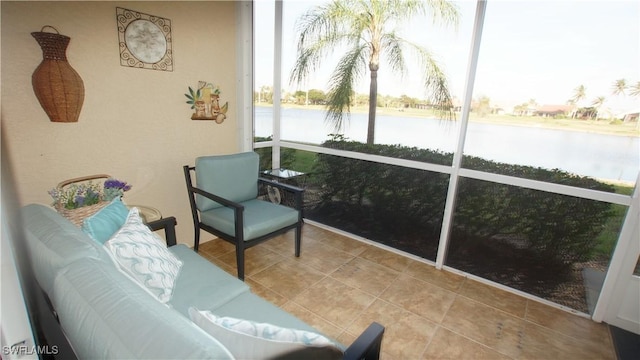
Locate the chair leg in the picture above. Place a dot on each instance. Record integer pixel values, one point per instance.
(298, 239)
(196, 239)
(240, 262)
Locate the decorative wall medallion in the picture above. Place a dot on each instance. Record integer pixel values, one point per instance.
(145, 40)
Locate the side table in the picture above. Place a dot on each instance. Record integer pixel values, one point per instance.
(148, 213)
(290, 177)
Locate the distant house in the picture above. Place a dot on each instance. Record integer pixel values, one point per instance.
(554, 110)
(632, 115)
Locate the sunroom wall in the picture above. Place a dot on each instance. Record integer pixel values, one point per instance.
(134, 124)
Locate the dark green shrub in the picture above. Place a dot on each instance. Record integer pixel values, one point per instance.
(396, 205)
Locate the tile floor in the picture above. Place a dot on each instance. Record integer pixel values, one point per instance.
(340, 285)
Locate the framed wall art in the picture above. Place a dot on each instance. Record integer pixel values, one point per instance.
(145, 40)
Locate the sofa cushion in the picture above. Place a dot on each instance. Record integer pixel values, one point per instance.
(252, 340)
(261, 218)
(54, 242)
(103, 224)
(142, 255)
(233, 177)
(202, 284)
(107, 316)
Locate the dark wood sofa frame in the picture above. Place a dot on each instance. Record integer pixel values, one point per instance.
(48, 332)
(365, 347)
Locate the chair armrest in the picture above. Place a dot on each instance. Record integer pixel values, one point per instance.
(367, 345)
(218, 199)
(167, 224)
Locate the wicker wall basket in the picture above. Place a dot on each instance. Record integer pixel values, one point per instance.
(58, 87)
(77, 216)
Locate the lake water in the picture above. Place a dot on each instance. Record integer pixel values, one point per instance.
(600, 156)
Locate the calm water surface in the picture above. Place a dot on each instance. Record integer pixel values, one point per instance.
(600, 156)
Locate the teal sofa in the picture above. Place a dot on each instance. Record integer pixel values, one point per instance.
(104, 314)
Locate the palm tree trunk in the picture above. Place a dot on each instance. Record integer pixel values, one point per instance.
(373, 103)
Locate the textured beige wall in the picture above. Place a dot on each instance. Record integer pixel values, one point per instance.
(134, 124)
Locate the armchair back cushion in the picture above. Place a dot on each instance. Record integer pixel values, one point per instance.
(233, 177)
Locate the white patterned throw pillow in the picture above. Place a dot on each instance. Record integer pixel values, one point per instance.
(142, 255)
(252, 340)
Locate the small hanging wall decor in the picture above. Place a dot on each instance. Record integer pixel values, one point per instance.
(206, 103)
(58, 87)
(145, 40)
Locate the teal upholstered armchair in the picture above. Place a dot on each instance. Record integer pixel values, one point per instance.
(224, 202)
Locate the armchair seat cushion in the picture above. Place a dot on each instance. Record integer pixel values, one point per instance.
(260, 218)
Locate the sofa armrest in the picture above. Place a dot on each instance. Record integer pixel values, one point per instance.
(167, 224)
(367, 345)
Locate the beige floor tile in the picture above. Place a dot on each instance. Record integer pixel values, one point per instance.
(383, 257)
(256, 259)
(419, 297)
(324, 258)
(503, 300)
(406, 334)
(284, 244)
(221, 264)
(447, 345)
(265, 292)
(288, 278)
(315, 232)
(429, 273)
(346, 339)
(313, 320)
(351, 246)
(543, 343)
(334, 301)
(491, 327)
(567, 323)
(366, 276)
(216, 247)
(476, 321)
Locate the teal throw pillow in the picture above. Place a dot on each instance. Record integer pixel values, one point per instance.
(103, 224)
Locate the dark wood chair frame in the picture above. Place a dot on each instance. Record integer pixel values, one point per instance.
(238, 209)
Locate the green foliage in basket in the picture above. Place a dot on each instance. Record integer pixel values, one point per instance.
(79, 195)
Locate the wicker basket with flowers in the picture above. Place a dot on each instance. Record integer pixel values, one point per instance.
(79, 198)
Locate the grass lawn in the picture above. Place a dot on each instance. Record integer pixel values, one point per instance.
(609, 235)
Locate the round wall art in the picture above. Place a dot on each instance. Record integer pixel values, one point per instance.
(145, 40)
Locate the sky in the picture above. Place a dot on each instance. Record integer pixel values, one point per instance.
(539, 50)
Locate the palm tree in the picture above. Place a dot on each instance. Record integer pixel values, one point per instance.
(367, 29)
(635, 89)
(579, 94)
(619, 86)
(597, 103)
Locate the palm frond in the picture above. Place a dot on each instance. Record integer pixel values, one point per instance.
(321, 30)
(341, 86)
(635, 89)
(435, 82)
(392, 46)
